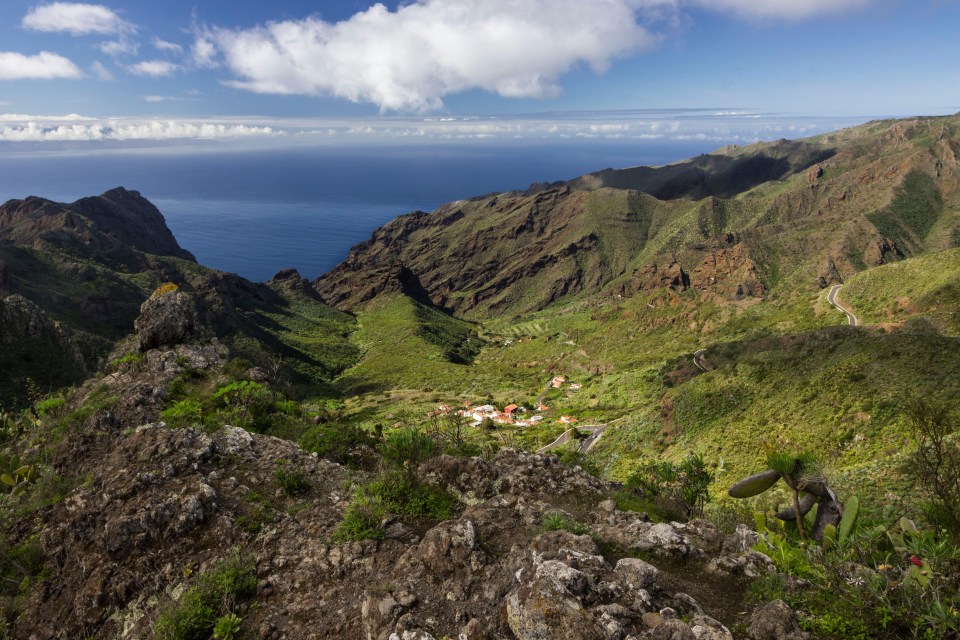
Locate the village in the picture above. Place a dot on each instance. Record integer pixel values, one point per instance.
(512, 414)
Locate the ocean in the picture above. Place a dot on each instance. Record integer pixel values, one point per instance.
(256, 212)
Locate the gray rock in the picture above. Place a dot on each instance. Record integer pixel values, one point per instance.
(636, 573)
(166, 319)
(775, 621)
(673, 630)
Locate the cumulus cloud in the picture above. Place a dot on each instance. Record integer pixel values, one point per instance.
(409, 59)
(76, 18)
(162, 45)
(43, 66)
(204, 53)
(75, 128)
(153, 68)
(781, 9)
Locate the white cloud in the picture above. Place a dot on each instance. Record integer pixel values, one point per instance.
(120, 47)
(163, 45)
(156, 99)
(153, 68)
(781, 9)
(43, 66)
(77, 128)
(411, 58)
(101, 71)
(204, 53)
(76, 19)
(721, 126)
(21, 117)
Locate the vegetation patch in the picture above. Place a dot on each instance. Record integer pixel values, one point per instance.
(213, 595)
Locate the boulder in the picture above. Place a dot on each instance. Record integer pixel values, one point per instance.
(166, 319)
(775, 621)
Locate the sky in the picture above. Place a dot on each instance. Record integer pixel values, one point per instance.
(302, 72)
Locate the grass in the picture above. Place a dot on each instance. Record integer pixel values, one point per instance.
(922, 289)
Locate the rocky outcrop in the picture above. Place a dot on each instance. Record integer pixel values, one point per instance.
(115, 223)
(729, 272)
(290, 280)
(881, 251)
(653, 276)
(775, 621)
(166, 319)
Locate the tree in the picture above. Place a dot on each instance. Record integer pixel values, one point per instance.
(803, 475)
(935, 464)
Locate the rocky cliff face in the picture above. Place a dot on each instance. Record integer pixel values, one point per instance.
(112, 223)
(79, 272)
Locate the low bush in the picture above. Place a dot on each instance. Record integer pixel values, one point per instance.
(213, 595)
(292, 481)
(346, 444)
(886, 582)
(674, 491)
(559, 522)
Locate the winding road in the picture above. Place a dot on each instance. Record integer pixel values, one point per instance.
(832, 299)
(596, 430)
(698, 360)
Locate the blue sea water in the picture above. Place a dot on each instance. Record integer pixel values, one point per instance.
(258, 211)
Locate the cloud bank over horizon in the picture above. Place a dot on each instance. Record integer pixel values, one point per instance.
(723, 126)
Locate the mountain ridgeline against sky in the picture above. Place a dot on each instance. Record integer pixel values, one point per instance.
(738, 222)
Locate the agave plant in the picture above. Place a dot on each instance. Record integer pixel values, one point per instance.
(808, 486)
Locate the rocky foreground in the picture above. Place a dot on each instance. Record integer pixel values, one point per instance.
(161, 506)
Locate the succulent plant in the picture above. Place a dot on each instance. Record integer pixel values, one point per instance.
(802, 474)
(15, 476)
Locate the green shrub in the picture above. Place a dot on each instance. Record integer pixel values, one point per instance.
(52, 406)
(293, 482)
(214, 594)
(361, 520)
(227, 627)
(888, 583)
(675, 492)
(935, 464)
(245, 404)
(341, 443)
(236, 368)
(130, 358)
(257, 512)
(391, 494)
(406, 449)
(412, 500)
(183, 413)
(19, 563)
(559, 522)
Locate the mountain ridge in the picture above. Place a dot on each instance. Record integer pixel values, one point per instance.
(832, 196)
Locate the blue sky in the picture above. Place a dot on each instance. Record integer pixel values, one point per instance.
(200, 69)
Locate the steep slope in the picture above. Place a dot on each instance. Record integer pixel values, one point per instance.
(924, 291)
(763, 220)
(73, 277)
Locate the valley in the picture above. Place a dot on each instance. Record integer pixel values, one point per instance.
(788, 298)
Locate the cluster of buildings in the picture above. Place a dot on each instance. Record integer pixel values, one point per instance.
(511, 414)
